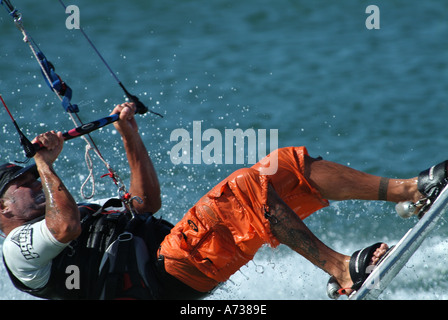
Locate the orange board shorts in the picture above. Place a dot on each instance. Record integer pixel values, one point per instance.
(227, 226)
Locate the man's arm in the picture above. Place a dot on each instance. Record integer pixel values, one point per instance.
(62, 214)
(144, 181)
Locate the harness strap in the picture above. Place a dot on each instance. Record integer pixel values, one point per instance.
(113, 282)
(122, 277)
(125, 267)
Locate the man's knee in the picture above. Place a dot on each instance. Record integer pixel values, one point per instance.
(245, 174)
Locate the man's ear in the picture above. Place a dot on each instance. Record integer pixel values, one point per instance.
(5, 211)
(3, 206)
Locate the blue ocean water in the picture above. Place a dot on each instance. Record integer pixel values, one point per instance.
(375, 100)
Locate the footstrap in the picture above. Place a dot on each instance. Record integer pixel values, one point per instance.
(359, 262)
(432, 181)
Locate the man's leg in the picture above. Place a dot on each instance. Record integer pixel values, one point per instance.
(334, 182)
(290, 230)
(339, 182)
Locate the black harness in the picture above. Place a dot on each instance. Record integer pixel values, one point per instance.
(116, 257)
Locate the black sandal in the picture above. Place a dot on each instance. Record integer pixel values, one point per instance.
(431, 182)
(359, 270)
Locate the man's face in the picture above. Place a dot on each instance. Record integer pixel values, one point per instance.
(25, 198)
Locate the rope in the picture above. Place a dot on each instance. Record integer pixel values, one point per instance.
(90, 177)
(90, 144)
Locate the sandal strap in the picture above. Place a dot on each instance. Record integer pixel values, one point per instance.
(432, 181)
(359, 262)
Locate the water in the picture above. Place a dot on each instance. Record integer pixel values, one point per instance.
(375, 100)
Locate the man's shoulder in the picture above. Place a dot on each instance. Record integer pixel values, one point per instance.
(21, 237)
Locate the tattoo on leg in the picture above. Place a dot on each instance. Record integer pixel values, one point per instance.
(290, 230)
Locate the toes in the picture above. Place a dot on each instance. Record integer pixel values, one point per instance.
(379, 253)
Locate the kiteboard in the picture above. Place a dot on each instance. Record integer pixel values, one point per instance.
(399, 255)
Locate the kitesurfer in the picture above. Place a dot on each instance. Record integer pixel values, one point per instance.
(148, 258)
